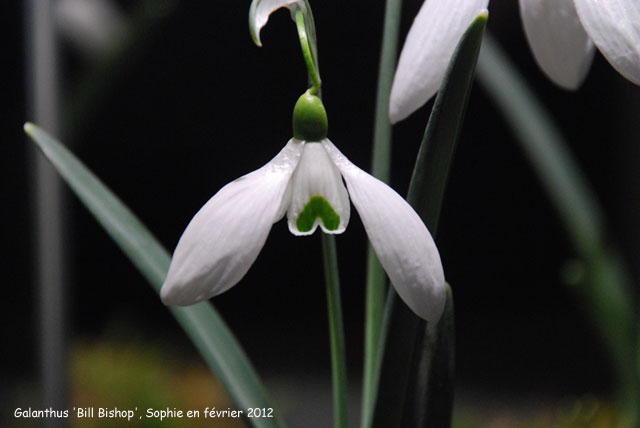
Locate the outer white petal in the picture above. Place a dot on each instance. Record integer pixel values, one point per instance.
(426, 53)
(224, 238)
(260, 11)
(316, 175)
(614, 26)
(559, 44)
(399, 237)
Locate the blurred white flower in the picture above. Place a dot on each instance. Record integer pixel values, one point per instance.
(561, 34)
(304, 181)
(93, 26)
(433, 37)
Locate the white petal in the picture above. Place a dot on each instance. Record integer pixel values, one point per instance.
(559, 44)
(317, 176)
(430, 44)
(614, 26)
(224, 238)
(261, 9)
(399, 237)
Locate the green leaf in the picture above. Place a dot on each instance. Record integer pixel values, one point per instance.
(430, 397)
(404, 400)
(431, 170)
(606, 288)
(201, 322)
(380, 166)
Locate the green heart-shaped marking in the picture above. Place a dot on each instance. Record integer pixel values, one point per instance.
(317, 207)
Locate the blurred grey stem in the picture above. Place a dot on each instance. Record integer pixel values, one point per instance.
(47, 206)
(606, 287)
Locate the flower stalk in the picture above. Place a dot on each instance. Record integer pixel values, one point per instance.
(329, 253)
(307, 53)
(336, 331)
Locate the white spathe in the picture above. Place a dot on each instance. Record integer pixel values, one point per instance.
(224, 238)
(261, 9)
(431, 41)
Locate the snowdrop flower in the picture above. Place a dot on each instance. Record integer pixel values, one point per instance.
(561, 34)
(260, 11)
(433, 37)
(304, 181)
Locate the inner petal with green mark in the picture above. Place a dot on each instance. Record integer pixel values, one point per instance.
(317, 208)
(318, 195)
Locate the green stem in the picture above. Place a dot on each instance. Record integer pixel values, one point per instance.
(606, 288)
(307, 53)
(376, 279)
(336, 331)
(311, 33)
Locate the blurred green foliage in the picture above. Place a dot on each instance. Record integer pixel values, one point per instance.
(584, 412)
(109, 374)
(112, 372)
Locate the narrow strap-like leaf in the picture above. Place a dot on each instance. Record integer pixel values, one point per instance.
(430, 394)
(398, 393)
(380, 166)
(606, 286)
(201, 322)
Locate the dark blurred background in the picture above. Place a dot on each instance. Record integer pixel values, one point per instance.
(198, 105)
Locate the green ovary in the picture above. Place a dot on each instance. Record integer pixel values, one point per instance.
(317, 207)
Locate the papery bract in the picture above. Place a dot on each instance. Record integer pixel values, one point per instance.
(261, 9)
